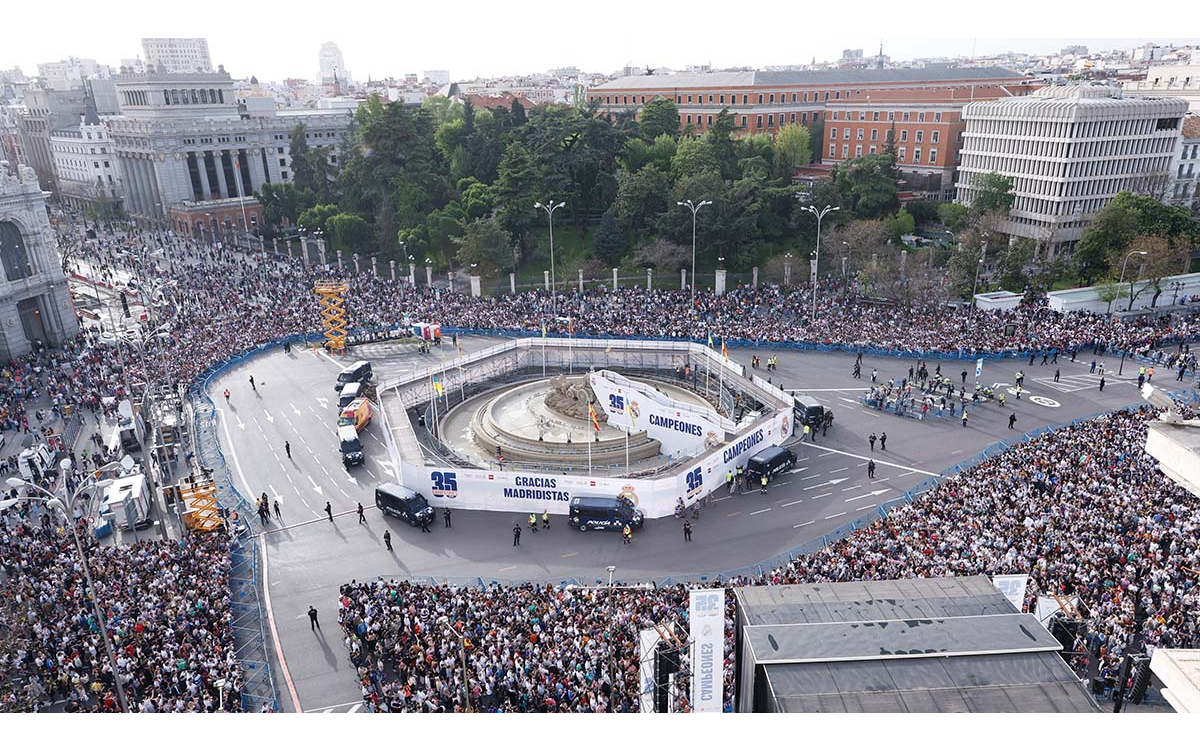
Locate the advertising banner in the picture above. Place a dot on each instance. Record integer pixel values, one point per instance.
(1013, 588)
(647, 642)
(683, 429)
(706, 621)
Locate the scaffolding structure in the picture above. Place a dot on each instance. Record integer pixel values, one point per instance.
(333, 313)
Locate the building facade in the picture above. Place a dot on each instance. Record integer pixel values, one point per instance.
(1069, 151)
(1177, 81)
(1185, 169)
(47, 110)
(86, 167)
(764, 101)
(35, 303)
(332, 66)
(177, 54)
(182, 137)
(11, 148)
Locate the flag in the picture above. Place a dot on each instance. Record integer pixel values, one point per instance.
(570, 325)
(543, 329)
(437, 385)
(724, 349)
(710, 341)
(592, 414)
(629, 411)
(608, 350)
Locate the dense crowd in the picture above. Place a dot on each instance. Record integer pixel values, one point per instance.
(166, 606)
(1083, 510)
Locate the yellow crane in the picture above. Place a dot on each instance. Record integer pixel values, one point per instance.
(333, 312)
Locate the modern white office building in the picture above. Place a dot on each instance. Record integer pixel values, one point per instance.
(1069, 150)
(177, 54)
(332, 67)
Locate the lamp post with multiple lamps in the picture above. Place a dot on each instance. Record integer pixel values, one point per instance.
(1124, 266)
(820, 214)
(66, 507)
(550, 208)
(695, 209)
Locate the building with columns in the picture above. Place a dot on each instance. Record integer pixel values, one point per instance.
(35, 303)
(182, 137)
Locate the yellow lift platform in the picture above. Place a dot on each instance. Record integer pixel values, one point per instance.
(200, 509)
(333, 313)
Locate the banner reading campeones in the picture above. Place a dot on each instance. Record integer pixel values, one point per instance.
(683, 429)
(706, 620)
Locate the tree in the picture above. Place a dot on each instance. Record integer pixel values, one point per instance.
(1108, 292)
(302, 173)
(859, 241)
(663, 255)
(817, 139)
(953, 215)
(659, 116)
(442, 109)
(516, 192)
(348, 232)
(1012, 262)
(317, 217)
(1110, 232)
(923, 211)
(609, 241)
(868, 186)
(994, 193)
(641, 198)
(484, 242)
(792, 149)
(900, 225)
(1162, 258)
(282, 204)
(694, 156)
(638, 153)
(723, 146)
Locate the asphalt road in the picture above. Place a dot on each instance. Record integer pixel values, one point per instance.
(309, 557)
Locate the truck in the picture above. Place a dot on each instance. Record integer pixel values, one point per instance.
(35, 463)
(127, 502)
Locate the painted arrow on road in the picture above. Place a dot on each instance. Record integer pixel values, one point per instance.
(295, 410)
(241, 424)
(869, 494)
(324, 402)
(267, 414)
(316, 487)
(828, 484)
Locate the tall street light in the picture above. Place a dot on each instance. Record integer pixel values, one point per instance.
(695, 209)
(820, 214)
(67, 509)
(1131, 281)
(550, 208)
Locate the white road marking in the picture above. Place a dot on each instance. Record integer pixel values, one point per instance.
(236, 461)
(847, 400)
(267, 414)
(910, 472)
(877, 481)
(806, 523)
(855, 487)
(570, 554)
(824, 390)
(371, 473)
(844, 468)
(872, 493)
(793, 471)
(818, 497)
(756, 512)
(883, 463)
(295, 410)
(835, 515)
(794, 502)
(866, 506)
(735, 513)
(830, 483)
(955, 453)
(510, 567)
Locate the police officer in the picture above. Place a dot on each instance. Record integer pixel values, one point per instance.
(387, 540)
(763, 483)
(626, 535)
(545, 519)
(533, 523)
(729, 482)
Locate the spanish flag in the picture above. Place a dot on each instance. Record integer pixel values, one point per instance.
(570, 325)
(629, 411)
(724, 350)
(592, 414)
(710, 341)
(437, 385)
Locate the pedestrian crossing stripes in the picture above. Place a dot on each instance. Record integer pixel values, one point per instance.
(342, 708)
(1072, 383)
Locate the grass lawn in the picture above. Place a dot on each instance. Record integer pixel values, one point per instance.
(570, 252)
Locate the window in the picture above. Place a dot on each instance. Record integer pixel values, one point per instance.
(836, 95)
(760, 98)
(689, 119)
(937, 116)
(933, 156)
(281, 149)
(283, 174)
(833, 134)
(845, 151)
(745, 98)
(771, 98)
(710, 98)
(891, 116)
(710, 119)
(722, 98)
(689, 98)
(832, 151)
(106, 165)
(900, 153)
(283, 162)
(771, 120)
(904, 136)
(933, 136)
(872, 149)
(905, 118)
(758, 121)
(743, 121)
(920, 136)
(874, 134)
(858, 151)
(860, 134)
(920, 117)
(12, 252)
(792, 117)
(793, 97)
(806, 96)
(916, 156)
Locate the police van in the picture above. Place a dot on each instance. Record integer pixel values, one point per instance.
(809, 411)
(351, 446)
(359, 372)
(350, 393)
(403, 503)
(769, 462)
(612, 513)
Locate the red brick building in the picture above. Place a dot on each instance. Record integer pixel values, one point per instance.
(764, 101)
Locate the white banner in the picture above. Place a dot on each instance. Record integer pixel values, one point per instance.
(706, 627)
(1048, 606)
(683, 429)
(1013, 588)
(979, 367)
(648, 642)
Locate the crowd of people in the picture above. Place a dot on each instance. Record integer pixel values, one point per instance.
(166, 607)
(1083, 510)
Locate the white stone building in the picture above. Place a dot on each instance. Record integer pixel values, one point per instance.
(1185, 169)
(1069, 150)
(35, 303)
(181, 137)
(86, 167)
(332, 66)
(177, 54)
(1179, 81)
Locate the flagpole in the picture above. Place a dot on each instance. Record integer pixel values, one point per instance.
(708, 366)
(589, 439)
(571, 346)
(462, 380)
(543, 348)
(433, 400)
(627, 429)
(721, 377)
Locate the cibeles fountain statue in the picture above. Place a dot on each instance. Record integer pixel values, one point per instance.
(570, 398)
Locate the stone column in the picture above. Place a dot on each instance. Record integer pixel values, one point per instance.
(202, 167)
(581, 281)
(339, 252)
(254, 163)
(303, 251)
(428, 275)
(683, 278)
(474, 286)
(392, 263)
(719, 282)
(614, 288)
(649, 279)
(754, 278)
(321, 249)
(512, 283)
(219, 163)
(546, 277)
(412, 274)
(374, 266)
(355, 261)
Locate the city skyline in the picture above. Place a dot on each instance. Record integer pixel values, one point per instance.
(496, 43)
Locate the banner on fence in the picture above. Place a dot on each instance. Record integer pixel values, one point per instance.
(706, 618)
(1013, 588)
(648, 647)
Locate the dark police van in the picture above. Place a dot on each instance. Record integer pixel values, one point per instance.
(769, 462)
(359, 372)
(809, 411)
(351, 446)
(402, 503)
(604, 513)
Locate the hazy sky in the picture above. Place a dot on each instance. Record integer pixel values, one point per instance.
(275, 59)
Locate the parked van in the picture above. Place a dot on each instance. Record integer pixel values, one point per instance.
(350, 392)
(769, 462)
(351, 446)
(359, 372)
(611, 513)
(808, 411)
(402, 503)
(356, 414)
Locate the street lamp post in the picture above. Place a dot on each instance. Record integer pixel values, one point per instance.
(820, 214)
(978, 269)
(67, 510)
(695, 209)
(1124, 266)
(550, 208)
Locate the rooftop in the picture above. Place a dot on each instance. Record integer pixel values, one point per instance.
(810, 78)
